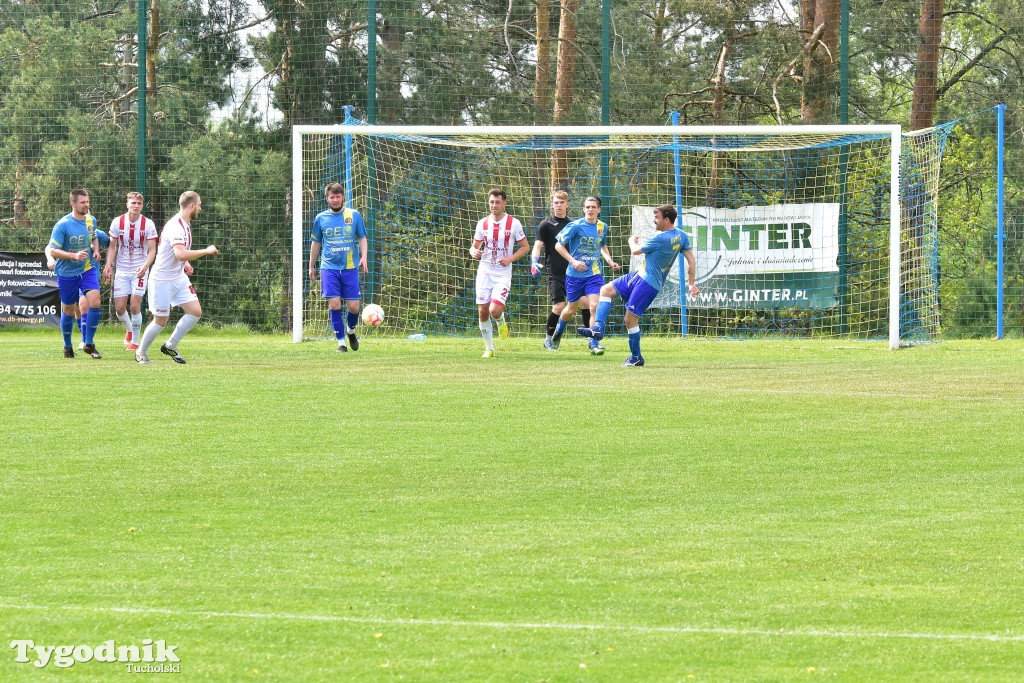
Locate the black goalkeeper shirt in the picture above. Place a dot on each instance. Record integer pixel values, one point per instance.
(547, 231)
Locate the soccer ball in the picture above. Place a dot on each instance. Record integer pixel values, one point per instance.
(373, 315)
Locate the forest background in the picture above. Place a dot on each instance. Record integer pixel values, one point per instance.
(225, 80)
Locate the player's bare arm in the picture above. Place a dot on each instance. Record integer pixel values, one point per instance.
(150, 257)
(474, 250)
(314, 252)
(362, 255)
(691, 272)
(577, 265)
(608, 258)
(523, 250)
(535, 264)
(183, 254)
(67, 255)
(108, 269)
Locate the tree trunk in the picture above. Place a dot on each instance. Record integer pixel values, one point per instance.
(389, 83)
(564, 86)
(541, 104)
(926, 74)
(818, 96)
(151, 49)
(542, 80)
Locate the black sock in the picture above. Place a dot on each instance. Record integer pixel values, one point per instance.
(552, 321)
(585, 312)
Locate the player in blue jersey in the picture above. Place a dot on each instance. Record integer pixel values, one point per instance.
(583, 243)
(639, 288)
(83, 300)
(339, 231)
(72, 242)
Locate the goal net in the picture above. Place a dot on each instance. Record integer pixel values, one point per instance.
(800, 231)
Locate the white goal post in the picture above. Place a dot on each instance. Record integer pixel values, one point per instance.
(402, 175)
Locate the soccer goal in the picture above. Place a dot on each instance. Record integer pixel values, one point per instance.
(800, 231)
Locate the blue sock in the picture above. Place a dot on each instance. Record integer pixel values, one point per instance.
(603, 308)
(634, 342)
(91, 323)
(353, 320)
(67, 323)
(337, 324)
(80, 324)
(560, 326)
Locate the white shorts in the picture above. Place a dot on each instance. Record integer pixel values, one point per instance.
(165, 295)
(492, 287)
(126, 284)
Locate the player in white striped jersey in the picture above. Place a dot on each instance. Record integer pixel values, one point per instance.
(131, 253)
(168, 281)
(492, 243)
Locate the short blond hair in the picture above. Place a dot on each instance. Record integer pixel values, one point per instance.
(560, 194)
(134, 195)
(187, 199)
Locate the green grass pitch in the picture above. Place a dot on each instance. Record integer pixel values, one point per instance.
(784, 510)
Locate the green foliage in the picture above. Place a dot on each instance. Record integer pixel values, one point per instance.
(244, 215)
(68, 104)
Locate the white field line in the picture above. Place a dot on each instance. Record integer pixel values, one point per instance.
(505, 625)
(863, 394)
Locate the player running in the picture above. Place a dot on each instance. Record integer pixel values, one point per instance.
(554, 263)
(169, 285)
(131, 253)
(339, 230)
(640, 288)
(83, 301)
(583, 243)
(492, 244)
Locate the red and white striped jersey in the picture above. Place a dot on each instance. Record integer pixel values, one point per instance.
(499, 240)
(131, 241)
(167, 268)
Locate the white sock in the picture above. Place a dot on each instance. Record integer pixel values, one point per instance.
(499, 320)
(186, 323)
(487, 332)
(136, 327)
(152, 331)
(126, 320)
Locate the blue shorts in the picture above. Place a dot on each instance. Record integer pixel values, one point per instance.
(578, 287)
(77, 285)
(636, 292)
(340, 283)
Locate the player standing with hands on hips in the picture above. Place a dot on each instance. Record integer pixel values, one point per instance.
(168, 281)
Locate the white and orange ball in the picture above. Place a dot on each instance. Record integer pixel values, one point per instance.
(373, 315)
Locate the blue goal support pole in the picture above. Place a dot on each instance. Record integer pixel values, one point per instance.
(683, 323)
(1000, 233)
(348, 158)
